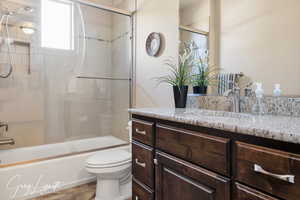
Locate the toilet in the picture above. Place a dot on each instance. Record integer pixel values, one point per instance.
(113, 170)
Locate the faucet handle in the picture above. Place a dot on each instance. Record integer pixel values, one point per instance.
(4, 125)
(233, 84)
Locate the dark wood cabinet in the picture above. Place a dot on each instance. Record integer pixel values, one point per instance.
(201, 149)
(242, 192)
(273, 171)
(178, 179)
(140, 191)
(142, 131)
(142, 163)
(176, 161)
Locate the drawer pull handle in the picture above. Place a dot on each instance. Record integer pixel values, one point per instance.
(287, 178)
(140, 132)
(139, 163)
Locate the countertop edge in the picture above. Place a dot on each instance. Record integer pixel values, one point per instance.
(258, 132)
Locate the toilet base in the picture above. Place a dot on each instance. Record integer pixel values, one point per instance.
(111, 190)
(117, 198)
(107, 189)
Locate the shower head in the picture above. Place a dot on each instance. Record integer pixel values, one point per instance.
(28, 9)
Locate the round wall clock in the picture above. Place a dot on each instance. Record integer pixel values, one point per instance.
(153, 44)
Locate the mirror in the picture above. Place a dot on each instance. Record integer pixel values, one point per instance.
(194, 23)
(248, 41)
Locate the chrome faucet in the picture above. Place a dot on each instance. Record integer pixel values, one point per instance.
(4, 125)
(6, 140)
(235, 92)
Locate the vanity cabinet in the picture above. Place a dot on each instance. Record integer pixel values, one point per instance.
(176, 161)
(273, 171)
(208, 151)
(178, 179)
(142, 131)
(143, 166)
(242, 192)
(140, 191)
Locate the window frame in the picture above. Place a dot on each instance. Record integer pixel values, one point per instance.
(72, 27)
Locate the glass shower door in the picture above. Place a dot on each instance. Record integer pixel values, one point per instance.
(71, 71)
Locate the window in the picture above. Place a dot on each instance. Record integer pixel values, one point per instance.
(57, 24)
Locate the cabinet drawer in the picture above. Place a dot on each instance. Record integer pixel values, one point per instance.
(177, 179)
(142, 163)
(245, 193)
(142, 131)
(275, 172)
(201, 149)
(141, 192)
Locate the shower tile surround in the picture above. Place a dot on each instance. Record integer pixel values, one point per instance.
(284, 106)
(49, 104)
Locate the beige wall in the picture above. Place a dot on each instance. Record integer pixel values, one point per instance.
(196, 15)
(163, 17)
(262, 40)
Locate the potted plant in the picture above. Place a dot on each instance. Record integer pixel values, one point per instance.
(204, 76)
(179, 78)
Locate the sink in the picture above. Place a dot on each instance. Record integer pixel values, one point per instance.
(218, 114)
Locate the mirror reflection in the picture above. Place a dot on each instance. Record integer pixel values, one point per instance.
(244, 43)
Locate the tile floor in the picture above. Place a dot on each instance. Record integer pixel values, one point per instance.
(82, 192)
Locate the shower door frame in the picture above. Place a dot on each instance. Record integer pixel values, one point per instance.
(132, 38)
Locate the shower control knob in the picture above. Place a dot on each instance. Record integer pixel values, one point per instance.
(4, 125)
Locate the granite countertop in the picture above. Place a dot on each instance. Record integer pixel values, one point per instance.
(280, 128)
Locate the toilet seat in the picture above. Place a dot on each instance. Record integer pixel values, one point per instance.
(109, 159)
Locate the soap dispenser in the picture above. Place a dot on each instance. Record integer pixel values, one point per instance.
(259, 92)
(259, 107)
(277, 91)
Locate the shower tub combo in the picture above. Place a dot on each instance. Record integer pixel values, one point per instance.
(55, 95)
(33, 171)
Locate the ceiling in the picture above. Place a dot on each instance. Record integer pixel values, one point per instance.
(20, 16)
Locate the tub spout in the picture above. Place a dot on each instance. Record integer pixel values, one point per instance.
(7, 141)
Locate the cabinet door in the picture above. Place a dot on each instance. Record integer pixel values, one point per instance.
(179, 180)
(140, 191)
(245, 193)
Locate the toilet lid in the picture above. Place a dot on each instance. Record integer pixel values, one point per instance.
(109, 158)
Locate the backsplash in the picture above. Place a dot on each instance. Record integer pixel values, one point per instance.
(220, 103)
(275, 105)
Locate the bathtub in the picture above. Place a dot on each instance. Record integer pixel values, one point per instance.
(29, 172)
